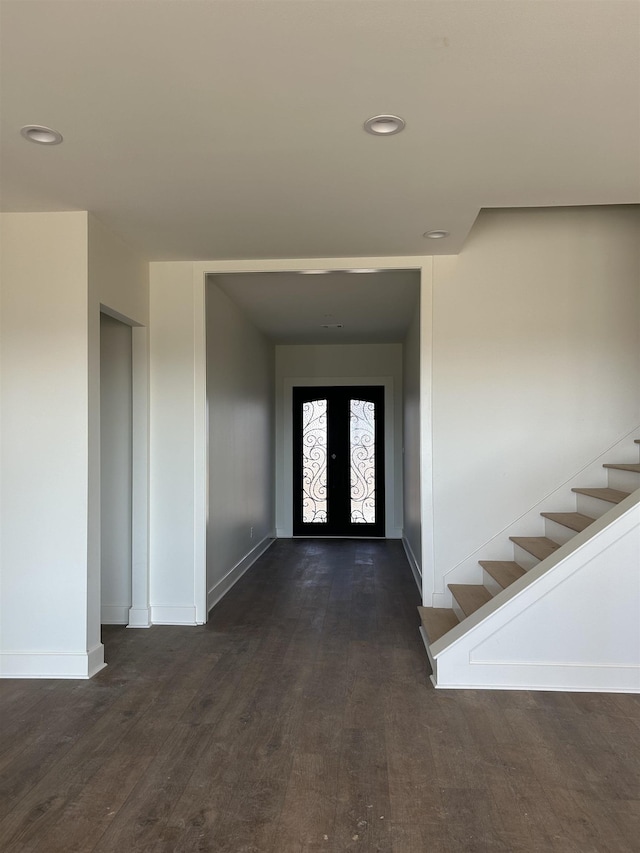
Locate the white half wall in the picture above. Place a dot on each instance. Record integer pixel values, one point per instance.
(339, 364)
(536, 358)
(240, 402)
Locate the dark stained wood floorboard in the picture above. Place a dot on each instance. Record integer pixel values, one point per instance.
(301, 720)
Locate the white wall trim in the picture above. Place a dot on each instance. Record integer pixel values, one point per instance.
(426, 431)
(114, 614)
(169, 615)
(140, 471)
(139, 617)
(413, 563)
(201, 269)
(23, 664)
(222, 587)
(200, 445)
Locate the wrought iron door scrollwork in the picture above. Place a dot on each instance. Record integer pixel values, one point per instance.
(314, 462)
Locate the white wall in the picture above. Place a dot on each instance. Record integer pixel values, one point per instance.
(116, 455)
(119, 275)
(339, 362)
(173, 461)
(411, 456)
(536, 356)
(47, 627)
(240, 398)
(118, 284)
(56, 270)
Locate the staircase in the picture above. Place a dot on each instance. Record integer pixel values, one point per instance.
(441, 627)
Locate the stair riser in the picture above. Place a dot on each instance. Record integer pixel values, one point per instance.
(458, 610)
(526, 560)
(490, 583)
(626, 481)
(558, 532)
(592, 506)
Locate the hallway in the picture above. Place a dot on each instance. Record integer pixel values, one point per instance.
(301, 718)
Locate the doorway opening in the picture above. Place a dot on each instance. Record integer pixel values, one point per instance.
(116, 469)
(338, 461)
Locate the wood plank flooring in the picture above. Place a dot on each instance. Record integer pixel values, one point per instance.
(301, 720)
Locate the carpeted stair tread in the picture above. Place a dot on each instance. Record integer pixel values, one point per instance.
(504, 572)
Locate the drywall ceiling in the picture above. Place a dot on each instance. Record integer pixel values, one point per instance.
(291, 308)
(215, 129)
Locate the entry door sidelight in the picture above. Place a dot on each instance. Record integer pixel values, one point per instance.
(338, 461)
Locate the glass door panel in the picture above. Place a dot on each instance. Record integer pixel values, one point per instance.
(362, 451)
(314, 462)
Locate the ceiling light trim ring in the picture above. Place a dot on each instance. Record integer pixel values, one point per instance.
(384, 125)
(40, 134)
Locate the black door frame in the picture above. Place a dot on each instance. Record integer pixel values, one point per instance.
(339, 521)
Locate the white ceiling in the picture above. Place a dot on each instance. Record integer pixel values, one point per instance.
(212, 129)
(291, 308)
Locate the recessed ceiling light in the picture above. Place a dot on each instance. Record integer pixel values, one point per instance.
(435, 235)
(385, 125)
(361, 270)
(41, 135)
(314, 272)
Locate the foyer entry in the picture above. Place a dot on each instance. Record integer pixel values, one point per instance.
(338, 461)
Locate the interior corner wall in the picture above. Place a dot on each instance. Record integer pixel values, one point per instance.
(412, 441)
(240, 403)
(45, 447)
(536, 357)
(119, 276)
(338, 361)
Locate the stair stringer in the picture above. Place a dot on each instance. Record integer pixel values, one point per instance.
(530, 523)
(571, 623)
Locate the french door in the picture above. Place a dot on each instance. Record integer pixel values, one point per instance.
(338, 461)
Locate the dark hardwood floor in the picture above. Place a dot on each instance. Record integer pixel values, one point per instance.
(301, 718)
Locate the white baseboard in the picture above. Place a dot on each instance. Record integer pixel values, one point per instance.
(168, 615)
(139, 617)
(550, 677)
(222, 587)
(114, 614)
(52, 664)
(415, 568)
(442, 599)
